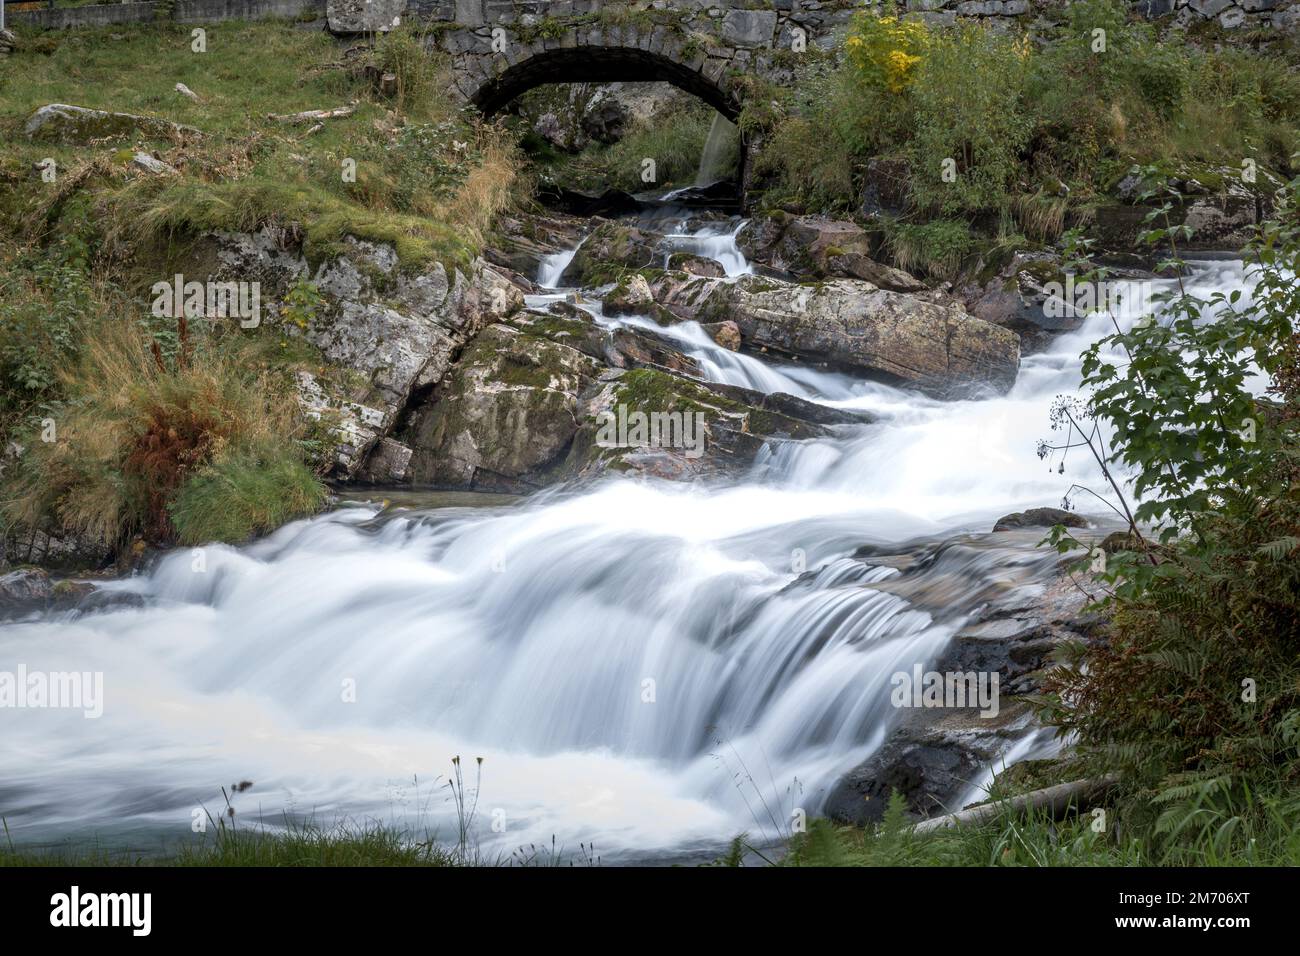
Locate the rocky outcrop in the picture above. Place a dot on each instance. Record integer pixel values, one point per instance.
(931, 767)
(76, 125)
(852, 324)
(386, 330)
(542, 400)
(55, 548)
(521, 242)
(937, 757)
(1218, 204)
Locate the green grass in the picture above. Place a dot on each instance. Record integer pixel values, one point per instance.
(1265, 834)
(238, 497)
(300, 845)
(427, 178)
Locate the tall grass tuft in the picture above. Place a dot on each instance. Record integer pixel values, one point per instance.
(139, 424)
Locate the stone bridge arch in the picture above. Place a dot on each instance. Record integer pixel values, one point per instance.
(491, 85)
(502, 48)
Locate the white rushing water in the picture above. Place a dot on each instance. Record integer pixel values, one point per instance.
(648, 666)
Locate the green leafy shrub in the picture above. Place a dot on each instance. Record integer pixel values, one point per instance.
(967, 103)
(1194, 698)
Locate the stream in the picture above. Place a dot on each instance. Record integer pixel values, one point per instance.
(644, 666)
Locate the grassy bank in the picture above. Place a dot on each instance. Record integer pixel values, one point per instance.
(971, 136)
(137, 428)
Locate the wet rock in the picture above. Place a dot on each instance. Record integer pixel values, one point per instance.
(76, 125)
(696, 265)
(388, 462)
(521, 242)
(1016, 297)
(931, 771)
(28, 586)
(630, 294)
(611, 249)
(847, 323)
(726, 334)
(1040, 518)
(623, 347)
(705, 430)
(936, 757)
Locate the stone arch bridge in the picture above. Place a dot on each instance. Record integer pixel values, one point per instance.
(502, 48)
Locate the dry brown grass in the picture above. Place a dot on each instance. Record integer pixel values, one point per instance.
(490, 188)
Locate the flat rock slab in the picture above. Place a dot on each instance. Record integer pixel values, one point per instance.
(59, 122)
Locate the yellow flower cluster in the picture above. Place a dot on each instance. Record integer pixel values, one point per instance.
(887, 49)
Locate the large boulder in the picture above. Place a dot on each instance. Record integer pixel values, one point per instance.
(630, 294)
(25, 587)
(818, 247)
(1025, 296)
(77, 125)
(939, 349)
(504, 417)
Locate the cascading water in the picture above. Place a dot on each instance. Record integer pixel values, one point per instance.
(640, 664)
(719, 151)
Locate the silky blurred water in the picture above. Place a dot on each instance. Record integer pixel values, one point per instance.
(646, 666)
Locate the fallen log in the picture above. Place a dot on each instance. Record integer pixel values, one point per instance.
(1081, 794)
(307, 116)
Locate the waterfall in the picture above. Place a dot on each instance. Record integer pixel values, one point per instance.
(719, 147)
(637, 662)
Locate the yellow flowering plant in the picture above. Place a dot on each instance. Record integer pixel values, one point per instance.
(886, 49)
